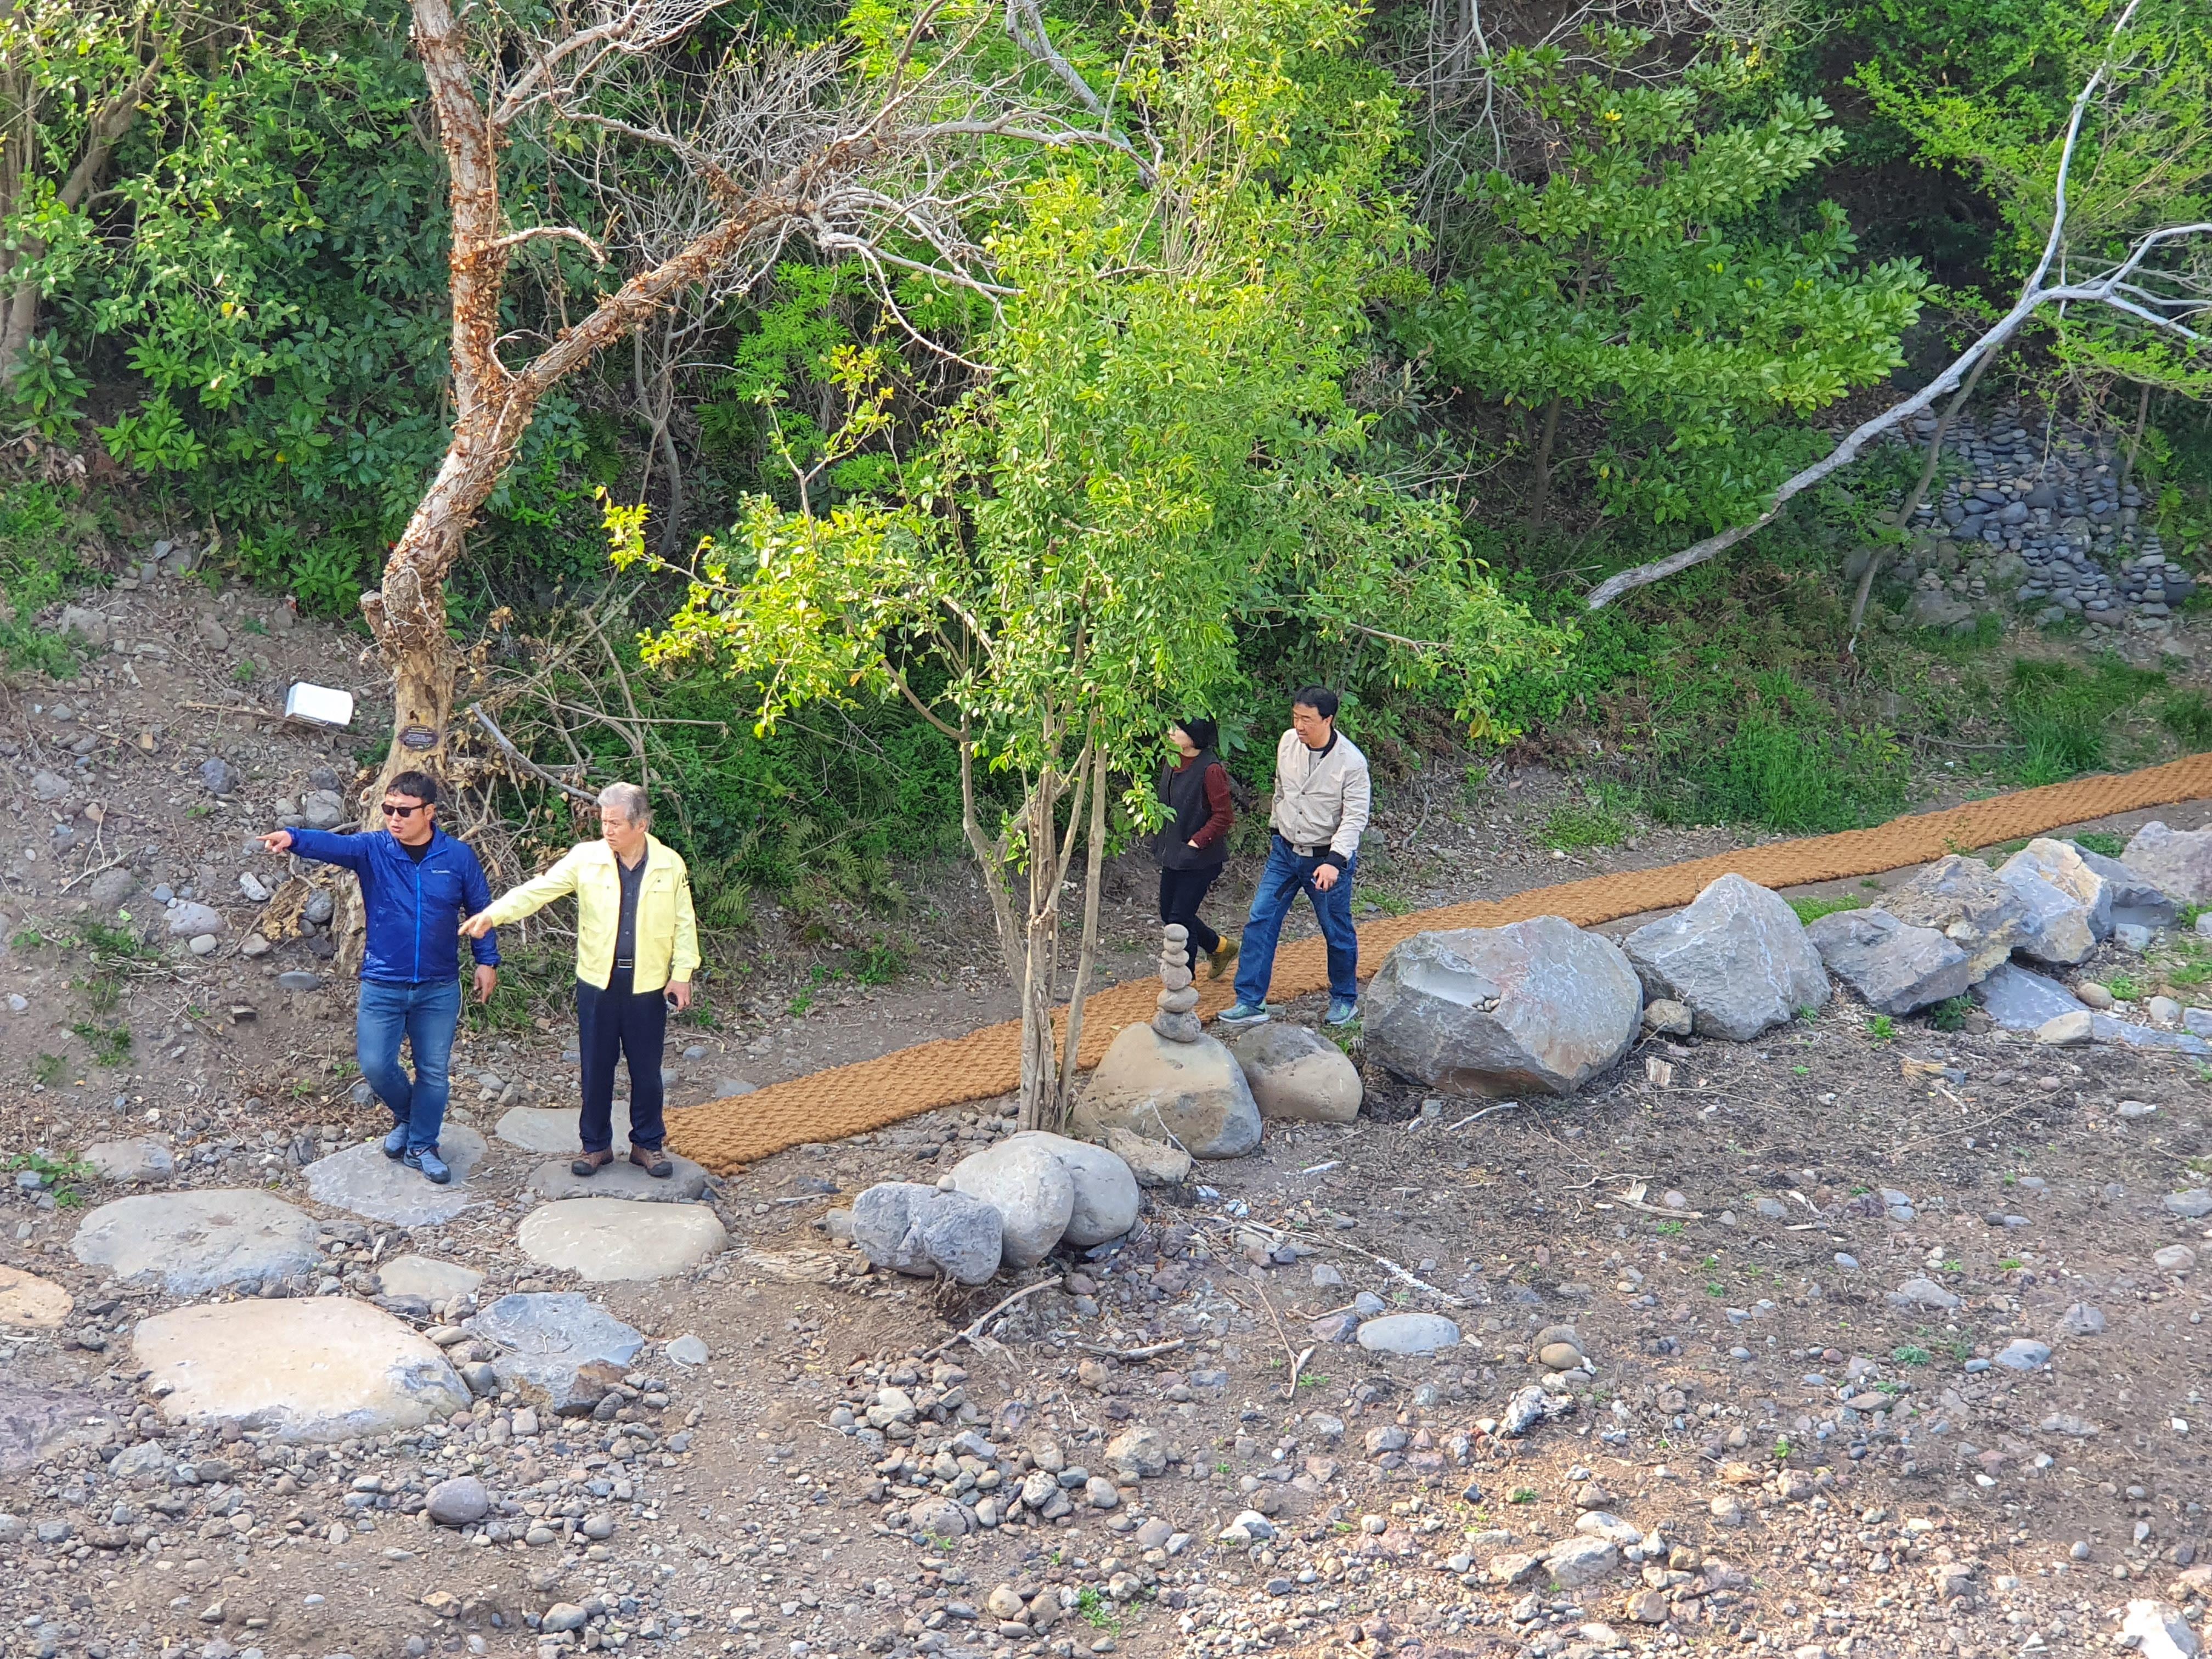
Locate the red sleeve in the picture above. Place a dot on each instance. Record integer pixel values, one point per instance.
(1217, 798)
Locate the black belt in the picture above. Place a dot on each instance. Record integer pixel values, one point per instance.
(1303, 852)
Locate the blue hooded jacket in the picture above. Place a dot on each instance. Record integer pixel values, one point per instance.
(415, 910)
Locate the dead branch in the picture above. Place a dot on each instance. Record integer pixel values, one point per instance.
(507, 748)
(975, 1328)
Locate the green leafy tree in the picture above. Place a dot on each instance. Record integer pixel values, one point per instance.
(72, 80)
(1161, 440)
(1647, 275)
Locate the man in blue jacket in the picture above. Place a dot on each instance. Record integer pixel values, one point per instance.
(417, 886)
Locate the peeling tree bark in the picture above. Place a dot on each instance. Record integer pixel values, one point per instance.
(494, 404)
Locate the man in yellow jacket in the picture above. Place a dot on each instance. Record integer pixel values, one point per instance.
(637, 945)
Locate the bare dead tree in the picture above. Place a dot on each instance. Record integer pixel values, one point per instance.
(2156, 283)
(791, 144)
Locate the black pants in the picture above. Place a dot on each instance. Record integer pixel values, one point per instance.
(611, 1024)
(1182, 891)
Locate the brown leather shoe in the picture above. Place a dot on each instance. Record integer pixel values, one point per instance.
(591, 1163)
(652, 1161)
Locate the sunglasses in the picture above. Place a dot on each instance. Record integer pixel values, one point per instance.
(391, 811)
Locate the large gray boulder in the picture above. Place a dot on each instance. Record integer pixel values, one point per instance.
(2059, 931)
(1105, 1188)
(2067, 867)
(2137, 900)
(1962, 899)
(1031, 1190)
(1193, 1093)
(1537, 1006)
(2178, 862)
(1737, 957)
(2017, 1000)
(912, 1229)
(1298, 1075)
(1896, 968)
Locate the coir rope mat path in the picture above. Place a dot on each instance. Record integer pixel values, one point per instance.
(849, 1100)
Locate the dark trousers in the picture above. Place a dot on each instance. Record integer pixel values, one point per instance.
(1182, 891)
(612, 1024)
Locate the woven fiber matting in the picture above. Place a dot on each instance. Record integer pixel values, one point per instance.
(850, 1100)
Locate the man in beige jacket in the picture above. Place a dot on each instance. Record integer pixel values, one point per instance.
(1322, 798)
(637, 947)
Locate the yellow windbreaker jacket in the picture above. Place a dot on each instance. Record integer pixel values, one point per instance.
(668, 932)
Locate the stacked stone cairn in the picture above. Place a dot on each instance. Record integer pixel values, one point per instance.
(1178, 1018)
(2035, 509)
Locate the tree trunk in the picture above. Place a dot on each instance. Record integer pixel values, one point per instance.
(2136, 438)
(1094, 855)
(1917, 495)
(1542, 496)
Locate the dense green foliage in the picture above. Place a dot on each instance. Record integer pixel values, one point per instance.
(1277, 404)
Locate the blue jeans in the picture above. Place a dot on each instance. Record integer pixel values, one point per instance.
(427, 1015)
(1286, 876)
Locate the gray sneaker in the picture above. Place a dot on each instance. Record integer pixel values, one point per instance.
(426, 1159)
(395, 1144)
(1341, 1012)
(1243, 1014)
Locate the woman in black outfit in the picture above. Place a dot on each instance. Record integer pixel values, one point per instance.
(1194, 843)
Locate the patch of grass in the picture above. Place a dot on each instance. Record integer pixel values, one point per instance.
(1950, 1014)
(2062, 716)
(1669, 1230)
(1911, 1354)
(1881, 1028)
(1790, 765)
(2123, 987)
(47, 1069)
(1782, 1449)
(2189, 717)
(799, 1004)
(1095, 1611)
(1599, 819)
(62, 1175)
(110, 1044)
(1810, 910)
(2105, 845)
(877, 963)
(1523, 1495)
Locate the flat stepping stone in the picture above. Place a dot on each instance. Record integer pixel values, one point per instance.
(551, 1338)
(609, 1239)
(362, 1179)
(319, 1368)
(548, 1129)
(198, 1241)
(621, 1179)
(30, 1303)
(427, 1277)
(35, 1424)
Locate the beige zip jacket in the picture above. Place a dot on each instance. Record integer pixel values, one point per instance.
(1323, 797)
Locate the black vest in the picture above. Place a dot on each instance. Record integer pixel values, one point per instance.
(1184, 792)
